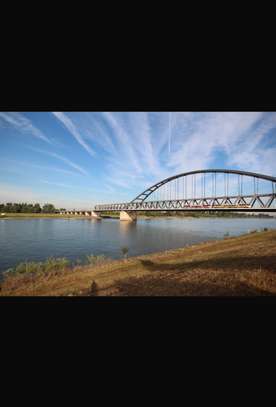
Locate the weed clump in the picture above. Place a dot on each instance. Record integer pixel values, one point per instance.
(124, 251)
(31, 267)
(95, 260)
(56, 264)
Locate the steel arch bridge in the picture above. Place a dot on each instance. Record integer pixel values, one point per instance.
(207, 190)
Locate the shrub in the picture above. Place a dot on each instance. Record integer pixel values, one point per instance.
(56, 264)
(28, 267)
(124, 250)
(93, 259)
(51, 264)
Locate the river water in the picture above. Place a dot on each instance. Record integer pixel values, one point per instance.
(38, 239)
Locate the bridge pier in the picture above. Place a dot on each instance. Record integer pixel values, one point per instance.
(95, 215)
(128, 216)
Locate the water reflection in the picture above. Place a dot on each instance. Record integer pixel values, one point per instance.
(127, 227)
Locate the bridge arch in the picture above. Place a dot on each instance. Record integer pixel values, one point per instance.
(145, 194)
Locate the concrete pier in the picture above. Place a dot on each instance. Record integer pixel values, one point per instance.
(128, 216)
(95, 215)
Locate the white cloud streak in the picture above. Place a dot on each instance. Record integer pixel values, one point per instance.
(64, 159)
(22, 125)
(197, 144)
(57, 184)
(70, 126)
(136, 149)
(26, 165)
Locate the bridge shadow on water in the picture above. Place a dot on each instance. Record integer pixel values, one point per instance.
(213, 277)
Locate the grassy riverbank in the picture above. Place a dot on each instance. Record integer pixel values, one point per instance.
(244, 265)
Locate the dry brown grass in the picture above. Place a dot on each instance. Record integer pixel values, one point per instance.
(241, 266)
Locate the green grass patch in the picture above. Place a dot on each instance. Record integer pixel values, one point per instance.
(95, 260)
(29, 267)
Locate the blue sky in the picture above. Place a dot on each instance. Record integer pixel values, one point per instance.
(78, 159)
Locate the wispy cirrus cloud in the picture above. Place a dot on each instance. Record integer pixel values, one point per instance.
(252, 153)
(22, 124)
(63, 159)
(133, 150)
(15, 164)
(70, 126)
(152, 146)
(135, 161)
(91, 126)
(57, 184)
(197, 146)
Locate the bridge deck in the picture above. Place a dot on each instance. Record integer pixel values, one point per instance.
(246, 203)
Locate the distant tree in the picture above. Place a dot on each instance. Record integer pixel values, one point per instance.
(9, 207)
(16, 208)
(29, 208)
(48, 208)
(37, 208)
(24, 207)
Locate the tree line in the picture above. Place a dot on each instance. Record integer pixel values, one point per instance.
(27, 208)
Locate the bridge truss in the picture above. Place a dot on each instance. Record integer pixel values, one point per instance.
(212, 190)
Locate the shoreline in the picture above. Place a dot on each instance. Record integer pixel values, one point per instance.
(243, 266)
(143, 217)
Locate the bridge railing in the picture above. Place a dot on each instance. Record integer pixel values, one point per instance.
(260, 201)
(217, 188)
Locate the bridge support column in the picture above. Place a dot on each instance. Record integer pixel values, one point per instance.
(128, 216)
(95, 215)
(87, 214)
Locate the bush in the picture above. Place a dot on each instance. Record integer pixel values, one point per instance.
(93, 259)
(28, 267)
(55, 264)
(51, 264)
(124, 250)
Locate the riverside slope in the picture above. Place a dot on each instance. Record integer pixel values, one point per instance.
(238, 266)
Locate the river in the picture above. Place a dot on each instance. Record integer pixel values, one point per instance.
(37, 239)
